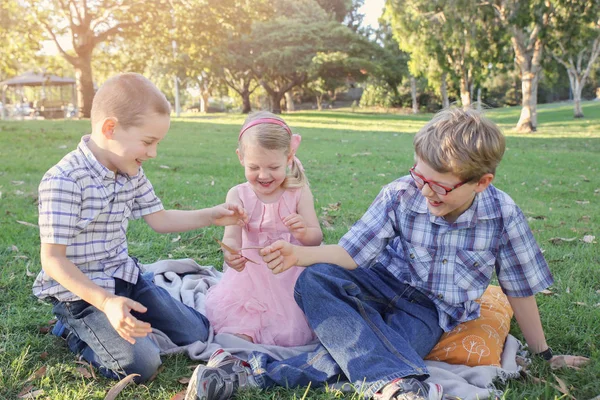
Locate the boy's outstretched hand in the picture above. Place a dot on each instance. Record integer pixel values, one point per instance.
(279, 256)
(228, 214)
(117, 310)
(560, 361)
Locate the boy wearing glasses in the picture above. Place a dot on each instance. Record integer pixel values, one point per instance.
(408, 270)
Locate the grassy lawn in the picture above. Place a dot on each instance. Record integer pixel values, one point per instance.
(552, 174)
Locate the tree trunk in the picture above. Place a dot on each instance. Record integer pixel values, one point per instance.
(246, 106)
(576, 88)
(85, 85)
(465, 93)
(526, 120)
(289, 102)
(276, 102)
(319, 102)
(413, 92)
(204, 102)
(444, 91)
(479, 105)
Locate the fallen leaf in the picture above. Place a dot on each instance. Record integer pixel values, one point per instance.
(118, 388)
(158, 371)
(579, 303)
(26, 389)
(177, 239)
(14, 248)
(37, 374)
(32, 395)
(558, 240)
(232, 251)
(585, 218)
(582, 202)
(44, 355)
(27, 224)
(547, 292)
(588, 239)
(184, 381)
(62, 146)
(165, 167)
(179, 395)
(212, 183)
(562, 387)
(366, 153)
(84, 372)
(28, 272)
(19, 192)
(17, 183)
(88, 367)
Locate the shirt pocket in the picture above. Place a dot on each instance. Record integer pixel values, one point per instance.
(473, 269)
(420, 262)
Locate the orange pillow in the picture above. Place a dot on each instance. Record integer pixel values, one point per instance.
(480, 341)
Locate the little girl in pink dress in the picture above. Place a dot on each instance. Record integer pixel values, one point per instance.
(250, 301)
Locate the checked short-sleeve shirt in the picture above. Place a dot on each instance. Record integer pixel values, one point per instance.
(87, 207)
(451, 263)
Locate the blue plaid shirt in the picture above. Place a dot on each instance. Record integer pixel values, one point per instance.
(451, 263)
(84, 206)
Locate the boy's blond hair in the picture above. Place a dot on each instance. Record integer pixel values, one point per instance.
(462, 142)
(273, 137)
(129, 98)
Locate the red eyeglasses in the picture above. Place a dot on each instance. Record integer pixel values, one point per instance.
(436, 187)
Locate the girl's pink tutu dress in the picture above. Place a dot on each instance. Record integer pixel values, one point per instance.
(256, 302)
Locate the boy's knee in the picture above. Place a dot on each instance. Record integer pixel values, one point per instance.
(144, 360)
(316, 275)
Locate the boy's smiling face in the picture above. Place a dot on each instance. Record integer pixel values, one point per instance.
(129, 148)
(453, 204)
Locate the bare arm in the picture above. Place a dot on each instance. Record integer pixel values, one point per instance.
(281, 255)
(232, 236)
(169, 221)
(304, 225)
(117, 308)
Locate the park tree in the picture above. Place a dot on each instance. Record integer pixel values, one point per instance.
(20, 38)
(458, 35)
(89, 23)
(283, 47)
(574, 42)
(526, 23)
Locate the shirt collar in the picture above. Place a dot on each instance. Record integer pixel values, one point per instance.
(91, 160)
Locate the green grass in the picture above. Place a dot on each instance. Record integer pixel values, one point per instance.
(552, 174)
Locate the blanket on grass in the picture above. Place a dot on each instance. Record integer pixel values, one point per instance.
(188, 282)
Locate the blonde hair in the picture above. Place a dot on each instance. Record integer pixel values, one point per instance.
(128, 97)
(273, 137)
(462, 142)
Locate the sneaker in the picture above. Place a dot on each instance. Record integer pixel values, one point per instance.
(410, 389)
(220, 378)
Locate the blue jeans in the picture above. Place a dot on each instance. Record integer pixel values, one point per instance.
(372, 329)
(98, 342)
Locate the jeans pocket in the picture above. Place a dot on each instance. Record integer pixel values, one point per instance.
(473, 269)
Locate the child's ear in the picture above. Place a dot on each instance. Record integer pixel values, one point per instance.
(108, 127)
(240, 157)
(484, 182)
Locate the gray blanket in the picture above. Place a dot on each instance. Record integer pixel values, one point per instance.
(188, 282)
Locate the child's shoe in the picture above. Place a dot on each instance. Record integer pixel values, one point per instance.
(410, 389)
(220, 378)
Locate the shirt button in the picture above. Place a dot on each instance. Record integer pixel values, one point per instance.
(444, 261)
(412, 255)
(476, 264)
(440, 296)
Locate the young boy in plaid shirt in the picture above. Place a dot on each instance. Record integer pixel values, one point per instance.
(85, 203)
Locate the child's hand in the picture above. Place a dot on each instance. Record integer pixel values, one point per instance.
(279, 256)
(560, 361)
(296, 225)
(228, 214)
(117, 310)
(235, 261)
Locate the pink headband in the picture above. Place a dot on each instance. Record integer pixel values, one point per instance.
(259, 121)
(295, 139)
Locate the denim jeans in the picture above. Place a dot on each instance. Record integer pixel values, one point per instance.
(98, 342)
(372, 329)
